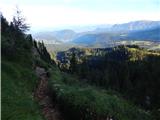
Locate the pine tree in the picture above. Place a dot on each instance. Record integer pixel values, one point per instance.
(73, 63)
(19, 22)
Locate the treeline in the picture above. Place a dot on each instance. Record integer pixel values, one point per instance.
(130, 70)
(19, 46)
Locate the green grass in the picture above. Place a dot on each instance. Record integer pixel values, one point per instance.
(18, 84)
(81, 101)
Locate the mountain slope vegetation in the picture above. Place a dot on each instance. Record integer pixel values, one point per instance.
(79, 100)
(18, 84)
(129, 70)
(18, 77)
(86, 85)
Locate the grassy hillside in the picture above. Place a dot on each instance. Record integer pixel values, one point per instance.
(18, 84)
(82, 101)
(19, 53)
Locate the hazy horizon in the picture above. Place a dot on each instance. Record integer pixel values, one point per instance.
(69, 13)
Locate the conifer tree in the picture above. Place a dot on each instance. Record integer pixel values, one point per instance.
(19, 21)
(73, 63)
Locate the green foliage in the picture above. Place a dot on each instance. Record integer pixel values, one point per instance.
(73, 66)
(18, 84)
(19, 22)
(18, 77)
(130, 70)
(41, 63)
(53, 55)
(81, 101)
(43, 52)
(15, 44)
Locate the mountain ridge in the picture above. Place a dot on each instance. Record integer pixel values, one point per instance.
(69, 35)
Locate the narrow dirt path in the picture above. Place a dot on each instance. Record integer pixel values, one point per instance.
(49, 109)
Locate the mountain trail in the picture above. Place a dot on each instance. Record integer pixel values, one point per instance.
(49, 108)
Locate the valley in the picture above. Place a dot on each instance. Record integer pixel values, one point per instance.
(146, 34)
(132, 31)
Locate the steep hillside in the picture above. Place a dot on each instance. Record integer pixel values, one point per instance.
(20, 55)
(18, 83)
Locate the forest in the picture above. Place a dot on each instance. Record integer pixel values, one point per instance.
(129, 70)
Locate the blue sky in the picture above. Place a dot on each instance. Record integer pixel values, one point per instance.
(56, 13)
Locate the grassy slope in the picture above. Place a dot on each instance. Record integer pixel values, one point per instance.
(18, 83)
(79, 100)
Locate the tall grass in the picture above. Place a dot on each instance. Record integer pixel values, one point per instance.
(81, 101)
(18, 83)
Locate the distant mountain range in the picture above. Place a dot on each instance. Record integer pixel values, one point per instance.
(103, 35)
(57, 36)
(131, 26)
(152, 34)
(103, 38)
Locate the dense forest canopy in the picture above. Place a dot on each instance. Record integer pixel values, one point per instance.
(129, 70)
